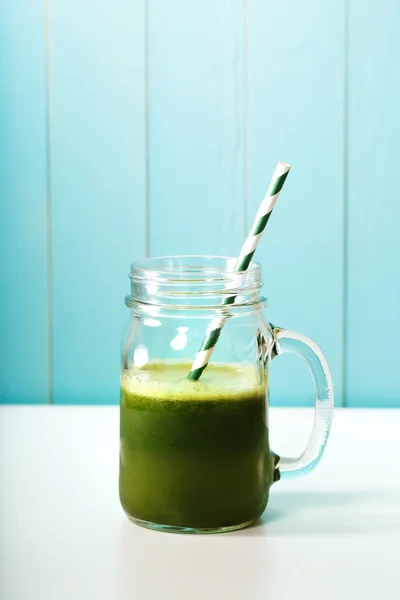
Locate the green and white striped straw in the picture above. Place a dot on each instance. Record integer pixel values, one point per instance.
(249, 247)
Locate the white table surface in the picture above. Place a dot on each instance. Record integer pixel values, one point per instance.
(332, 535)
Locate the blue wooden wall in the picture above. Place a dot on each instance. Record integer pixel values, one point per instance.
(117, 119)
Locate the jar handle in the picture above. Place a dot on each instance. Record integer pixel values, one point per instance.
(296, 343)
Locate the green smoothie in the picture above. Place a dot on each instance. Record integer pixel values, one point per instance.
(194, 454)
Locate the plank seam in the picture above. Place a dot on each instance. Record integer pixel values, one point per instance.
(146, 129)
(245, 115)
(49, 256)
(345, 202)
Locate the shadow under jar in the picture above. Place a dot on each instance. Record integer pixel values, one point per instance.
(195, 455)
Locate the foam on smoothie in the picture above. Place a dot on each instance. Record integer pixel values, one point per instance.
(158, 381)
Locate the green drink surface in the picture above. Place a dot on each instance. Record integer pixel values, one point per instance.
(194, 454)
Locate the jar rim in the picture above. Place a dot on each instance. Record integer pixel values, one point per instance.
(194, 282)
(191, 269)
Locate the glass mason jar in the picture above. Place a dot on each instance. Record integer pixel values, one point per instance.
(195, 455)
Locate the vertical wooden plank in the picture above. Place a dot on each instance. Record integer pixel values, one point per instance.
(196, 127)
(23, 230)
(374, 208)
(98, 187)
(296, 114)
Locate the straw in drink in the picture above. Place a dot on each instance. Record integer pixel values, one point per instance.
(244, 259)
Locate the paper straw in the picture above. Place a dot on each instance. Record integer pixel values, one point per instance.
(246, 254)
